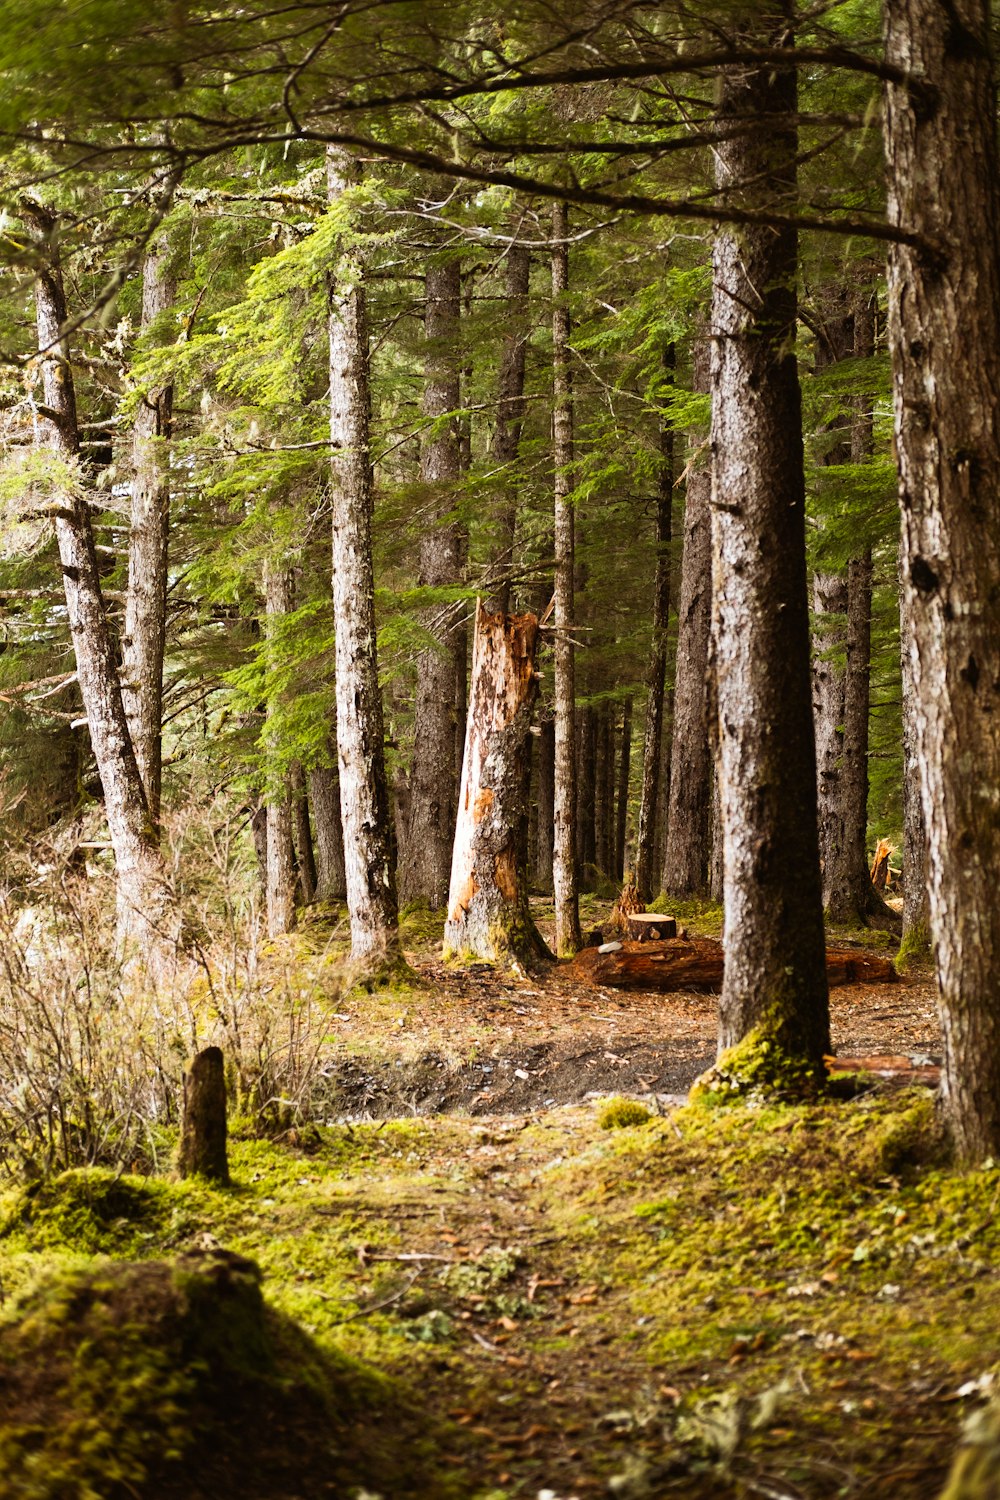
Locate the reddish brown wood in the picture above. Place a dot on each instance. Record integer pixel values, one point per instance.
(696, 965)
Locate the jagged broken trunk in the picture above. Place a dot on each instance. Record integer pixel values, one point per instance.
(488, 914)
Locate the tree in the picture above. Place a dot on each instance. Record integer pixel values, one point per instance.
(944, 328)
(775, 987)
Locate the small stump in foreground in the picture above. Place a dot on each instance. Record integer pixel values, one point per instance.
(203, 1119)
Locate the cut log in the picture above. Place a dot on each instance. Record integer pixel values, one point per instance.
(650, 927)
(694, 965)
(203, 1119)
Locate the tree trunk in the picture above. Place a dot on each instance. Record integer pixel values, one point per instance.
(280, 883)
(916, 903)
(302, 834)
(488, 913)
(944, 327)
(370, 870)
(324, 801)
(604, 821)
(146, 600)
(586, 795)
(544, 798)
(685, 865)
(510, 419)
(143, 897)
(425, 872)
(564, 872)
(203, 1119)
(775, 984)
(624, 768)
(645, 873)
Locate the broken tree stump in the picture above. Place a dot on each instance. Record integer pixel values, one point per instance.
(695, 965)
(649, 927)
(203, 1119)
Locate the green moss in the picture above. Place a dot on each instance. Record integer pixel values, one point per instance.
(914, 950)
(759, 1067)
(91, 1211)
(618, 1114)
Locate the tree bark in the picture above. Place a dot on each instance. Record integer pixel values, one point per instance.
(564, 871)
(143, 897)
(545, 800)
(697, 965)
(944, 328)
(146, 600)
(324, 801)
(624, 768)
(688, 841)
(604, 820)
(305, 860)
(586, 783)
(916, 903)
(202, 1150)
(510, 420)
(488, 912)
(775, 983)
(425, 872)
(280, 881)
(370, 869)
(645, 873)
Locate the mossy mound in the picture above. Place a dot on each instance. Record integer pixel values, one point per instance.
(90, 1211)
(177, 1379)
(619, 1114)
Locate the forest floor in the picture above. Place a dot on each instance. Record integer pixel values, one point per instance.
(567, 1300)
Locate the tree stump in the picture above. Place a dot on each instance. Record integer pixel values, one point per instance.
(203, 1119)
(649, 927)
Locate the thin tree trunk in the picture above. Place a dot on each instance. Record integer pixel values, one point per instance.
(564, 872)
(586, 782)
(916, 877)
(142, 894)
(545, 800)
(944, 329)
(604, 829)
(324, 801)
(624, 769)
(425, 873)
(280, 883)
(775, 986)
(488, 912)
(689, 826)
(146, 600)
(645, 872)
(370, 869)
(305, 860)
(510, 419)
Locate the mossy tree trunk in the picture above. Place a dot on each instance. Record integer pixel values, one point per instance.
(203, 1119)
(488, 913)
(775, 988)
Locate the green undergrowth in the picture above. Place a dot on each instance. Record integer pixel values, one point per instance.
(700, 915)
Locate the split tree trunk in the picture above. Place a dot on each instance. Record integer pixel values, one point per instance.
(369, 866)
(143, 898)
(564, 872)
(685, 865)
(488, 912)
(775, 983)
(510, 419)
(146, 600)
(427, 857)
(944, 326)
(652, 744)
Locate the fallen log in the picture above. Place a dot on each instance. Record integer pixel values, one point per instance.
(694, 965)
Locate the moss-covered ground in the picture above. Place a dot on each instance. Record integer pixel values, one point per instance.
(795, 1301)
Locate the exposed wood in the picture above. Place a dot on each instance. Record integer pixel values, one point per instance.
(650, 926)
(696, 965)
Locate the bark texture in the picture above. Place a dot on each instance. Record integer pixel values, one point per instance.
(369, 866)
(324, 802)
(510, 419)
(697, 965)
(775, 980)
(621, 810)
(488, 913)
(544, 794)
(142, 894)
(564, 871)
(944, 327)
(427, 858)
(305, 860)
(146, 601)
(203, 1119)
(688, 834)
(280, 878)
(649, 795)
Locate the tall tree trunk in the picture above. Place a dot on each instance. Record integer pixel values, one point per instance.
(916, 902)
(604, 822)
(142, 894)
(621, 811)
(488, 912)
(545, 799)
(645, 872)
(146, 600)
(426, 869)
(564, 872)
(775, 985)
(944, 328)
(324, 801)
(510, 419)
(280, 882)
(688, 842)
(586, 794)
(305, 860)
(369, 865)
